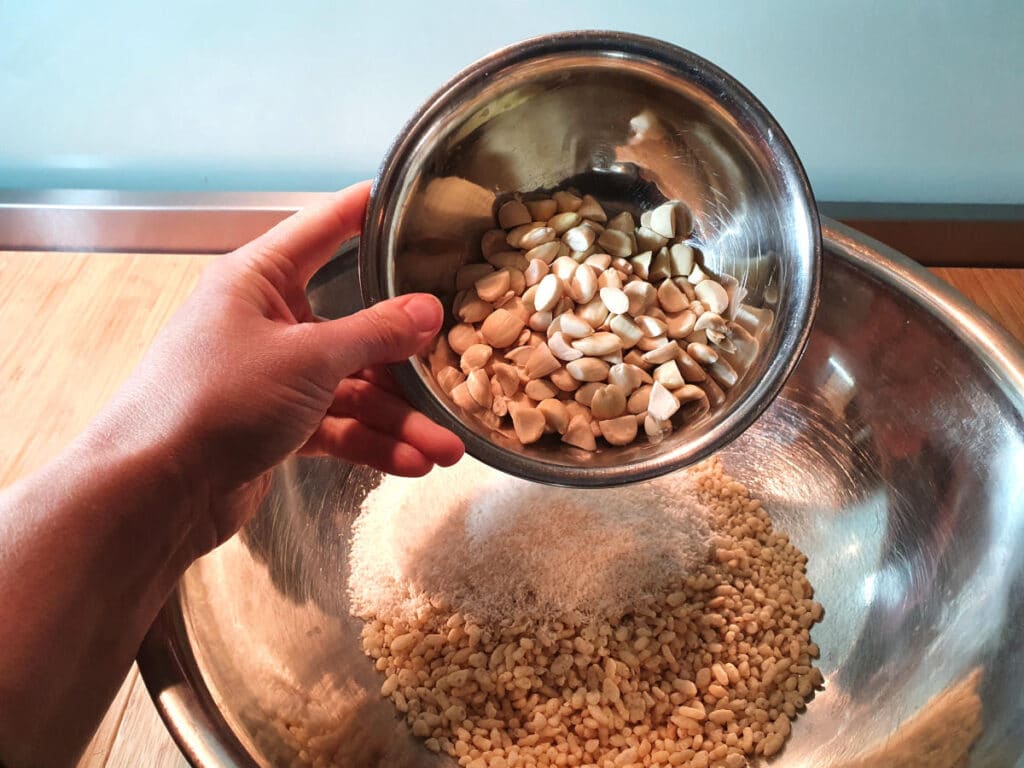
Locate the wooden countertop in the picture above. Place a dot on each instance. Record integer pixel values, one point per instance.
(78, 322)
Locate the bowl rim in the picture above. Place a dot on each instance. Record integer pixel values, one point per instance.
(732, 96)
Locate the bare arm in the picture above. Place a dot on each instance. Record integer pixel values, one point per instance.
(242, 377)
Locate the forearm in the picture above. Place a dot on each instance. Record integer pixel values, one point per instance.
(90, 546)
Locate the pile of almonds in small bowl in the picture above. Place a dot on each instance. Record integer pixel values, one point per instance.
(584, 326)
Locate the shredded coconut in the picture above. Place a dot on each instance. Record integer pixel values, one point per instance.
(495, 547)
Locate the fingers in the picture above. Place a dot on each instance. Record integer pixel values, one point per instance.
(386, 413)
(350, 440)
(387, 332)
(380, 376)
(308, 239)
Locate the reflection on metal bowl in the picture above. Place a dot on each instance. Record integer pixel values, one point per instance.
(893, 459)
(632, 121)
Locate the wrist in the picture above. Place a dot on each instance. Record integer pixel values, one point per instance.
(154, 481)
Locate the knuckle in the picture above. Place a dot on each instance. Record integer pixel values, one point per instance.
(383, 331)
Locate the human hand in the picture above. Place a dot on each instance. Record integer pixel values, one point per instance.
(244, 375)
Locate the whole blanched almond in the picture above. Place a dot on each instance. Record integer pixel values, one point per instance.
(671, 298)
(642, 295)
(712, 295)
(574, 326)
(501, 328)
(584, 284)
(536, 237)
(539, 321)
(549, 292)
(474, 309)
(536, 271)
(513, 214)
(564, 380)
(628, 377)
(564, 267)
(588, 369)
(515, 236)
(579, 238)
(546, 252)
(651, 326)
(723, 373)
(493, 286)
(540, 389)
(623, 266)
(598, 344)
(690, 368)
(616, 300)
(461, 337)
(463, 399)
(616, 243)
(663, 219)
(610, 278)
(702, 353)
(609, 402)
(650, 343)
(594, 313)
(689, 393)
(627, 330)
(640, 399)
(668, 351)
(541, 210)
(477, 356)
(599, 261)
(681, 325)
(567, 201)
(562, 348)
(620, 431)
(584, 395)
(563, 222)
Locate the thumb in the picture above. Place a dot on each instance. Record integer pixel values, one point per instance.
(387, 332)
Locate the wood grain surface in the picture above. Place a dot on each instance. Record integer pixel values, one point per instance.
(74, 326)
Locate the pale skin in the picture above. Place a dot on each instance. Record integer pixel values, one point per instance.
(242, 377)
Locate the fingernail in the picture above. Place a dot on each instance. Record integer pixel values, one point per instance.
(424, 311)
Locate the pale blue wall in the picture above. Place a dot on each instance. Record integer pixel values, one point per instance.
(885, 101)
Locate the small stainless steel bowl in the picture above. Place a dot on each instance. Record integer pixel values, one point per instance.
(634, 121)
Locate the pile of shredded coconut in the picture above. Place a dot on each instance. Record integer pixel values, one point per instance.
(494, 547)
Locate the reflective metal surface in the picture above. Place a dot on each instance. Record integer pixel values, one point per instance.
(633, 121)
(894, 457)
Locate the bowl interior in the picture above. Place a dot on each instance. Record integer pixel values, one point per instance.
(634, 129)
(891, 458)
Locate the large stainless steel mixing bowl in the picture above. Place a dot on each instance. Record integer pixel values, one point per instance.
(894, 457)
(633, 121)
